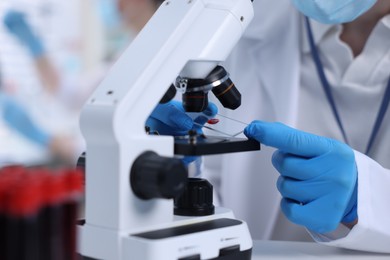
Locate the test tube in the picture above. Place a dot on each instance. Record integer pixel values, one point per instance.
(74, 181)
(52, 217)
(9, 177)
(22, 224)
(3, 239)
(38, 213)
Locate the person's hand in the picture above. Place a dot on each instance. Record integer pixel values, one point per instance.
(16, 24)
(62, 148)
(318, 179)
(171, 119)
(17, 117)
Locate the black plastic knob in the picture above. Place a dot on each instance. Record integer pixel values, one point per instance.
(196, 200)
(153, 176)
(81, 161)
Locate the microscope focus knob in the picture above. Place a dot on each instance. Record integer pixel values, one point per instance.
(153, 176)
(196, 200)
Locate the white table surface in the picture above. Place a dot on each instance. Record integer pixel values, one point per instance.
(306, 250)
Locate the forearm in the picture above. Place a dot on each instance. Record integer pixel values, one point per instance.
(18, 25)
(47, 73)
(18, 119)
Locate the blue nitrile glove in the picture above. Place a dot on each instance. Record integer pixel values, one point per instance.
(318, 179)
(18, 119)
(16, 24)
(171, 119)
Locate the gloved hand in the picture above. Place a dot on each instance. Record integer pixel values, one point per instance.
(16, 24)
(171, 119)
(318, 179)
(18, 119)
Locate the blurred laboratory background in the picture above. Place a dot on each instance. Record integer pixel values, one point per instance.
(52, 55)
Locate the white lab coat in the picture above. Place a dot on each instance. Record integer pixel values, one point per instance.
(265, 67)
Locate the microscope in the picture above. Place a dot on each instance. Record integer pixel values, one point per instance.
(140, 203)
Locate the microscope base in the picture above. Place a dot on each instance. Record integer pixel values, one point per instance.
(211, 237)
(240, 255)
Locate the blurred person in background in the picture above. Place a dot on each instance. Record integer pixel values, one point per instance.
(121, 21)
(136, 13)
(17, 25)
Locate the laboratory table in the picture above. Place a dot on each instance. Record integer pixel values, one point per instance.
(307, 250)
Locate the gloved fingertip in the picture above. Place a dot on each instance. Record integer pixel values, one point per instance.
(211, 110)
(201, 120)
(253, 129)
(279, 183)
(248, 132)
(277, 159)
(248, 129)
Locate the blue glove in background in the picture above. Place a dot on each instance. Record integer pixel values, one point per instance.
(18, 119)
(171, 119)
(318, 179)
(16, 24)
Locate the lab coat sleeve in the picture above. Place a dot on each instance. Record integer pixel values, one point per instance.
(372, 233)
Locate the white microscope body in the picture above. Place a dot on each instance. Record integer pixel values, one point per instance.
(187, 38)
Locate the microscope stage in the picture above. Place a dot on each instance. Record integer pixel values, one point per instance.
(207, 145)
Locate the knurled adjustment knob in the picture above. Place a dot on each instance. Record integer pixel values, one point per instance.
(153, 176)
(196, 199)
